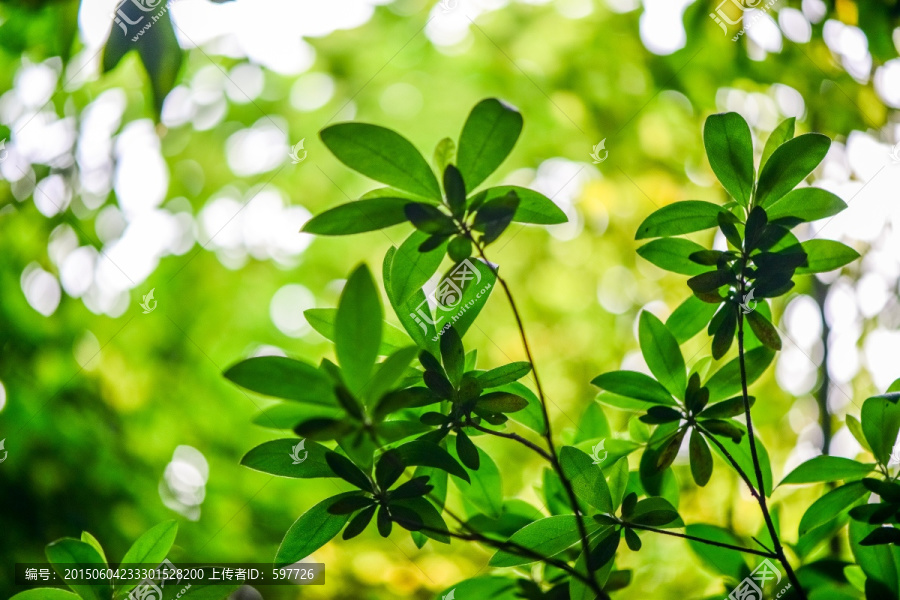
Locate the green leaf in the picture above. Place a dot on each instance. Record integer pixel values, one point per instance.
(461, 310)
(453, 355)
(618, 481)
(586, 478)
(503, 375)
(485, 491)
(414, 313)
(856, 430)
(359, 523)
(663, 356)
(531, 416)
(382, 155)
(485, 586)
(286, 415)
(151, 548)
(741, 454)
(701, 459)
(429, 516)
(726, 408)
(790, 164)
(533, 207)
(357, 328)
(878, 562)
(494, 216)
(729, 147)
(410, 268)
(344, 468)
(455, 189)
(781, 134)
(830, 506)
(827, 468)
(826, 255)
(277, 457)
(282, 377)
(415, 397)
(388, 373)
(725, 324)
(358, 217)
(655, 512)
(690, 318)
(487, 138)
(45, 594)
(88, 538)
(467, 451)
(672, 255)
(501, 402)
(444, 154)
(418, 453)
(726, 382)
(764, 330)
(682, 217)
(880, 418)
(311, 531)
(632, 384)
(322, 320)
(548, 536)
(69, 551)
(807, 204)
(727, 562)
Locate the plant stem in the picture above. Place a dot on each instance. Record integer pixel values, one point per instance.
(548, 434)
(704, 541)
(512, 436)
(731, 459)
(761, 496)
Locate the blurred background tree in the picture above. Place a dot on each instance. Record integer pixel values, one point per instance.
(170, 169)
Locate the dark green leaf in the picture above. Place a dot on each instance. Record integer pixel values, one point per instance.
(533, 206)
(679, 218)
(701, 459)
(725, 331)
(323, 428)
(726, 409)
(711, 280)
(467, 451)
(753, 230)
(503, 375)
(359, 523)
(729, 230)
(655, 512)
(417, 453)
(383, 155)
(827, 468)
(417, 486)
(455, 190)
(384, 522)
(485, 491)
(501, 402)
(789, 165)
(724, 427)
(488, 136)
(358, 217)
(632, 539)
(415, 397)
(311, 531)
(344, 468)
(661, 414)
(882, 535)
(429, 219)
(764, 330)
(494, 216)
(669, 450)
(729, 147)
(453, 355)
(350, 504)
(459, 249)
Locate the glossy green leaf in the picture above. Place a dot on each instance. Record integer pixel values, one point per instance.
(357, 328)
(764, 330)
(311, 531)
(726, 382)
(494, 216)
(485, 491)
(701, 459)
(487, 138)
(285, 459)
(503, 375)
(533, 206)
(880, 418)
(672, 255)
(663, 356)
(741, 454)
(282, 377)
(383, 155)
(681, 217)
(69, 551)
(726, 562)
(633, 384)
(358, 217)
(830, 505)
(826, 255)
(690, 318)
(549, 536)
(414, 313)
(729, 147)
(827, 468)
(453, 355)
(807, 204)
(410, 268)
(790, 164)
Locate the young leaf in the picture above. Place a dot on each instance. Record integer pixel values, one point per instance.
(459, 249)
(856, 430)
(358, 217)
(806, 204)
(322, 320)
(586, 478)
(444, 154)
(790, 164)
(780, 135)
(88, 538)
(633, 384)
(679, 218)
(388, 374)
(488, 136)
(357, 328)
(701, 459)
(827, 468)
(729, 147)
(826, 255)
(69, 551)
(663, 356)
(283, 378)
(672, 254)
(383, 155)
